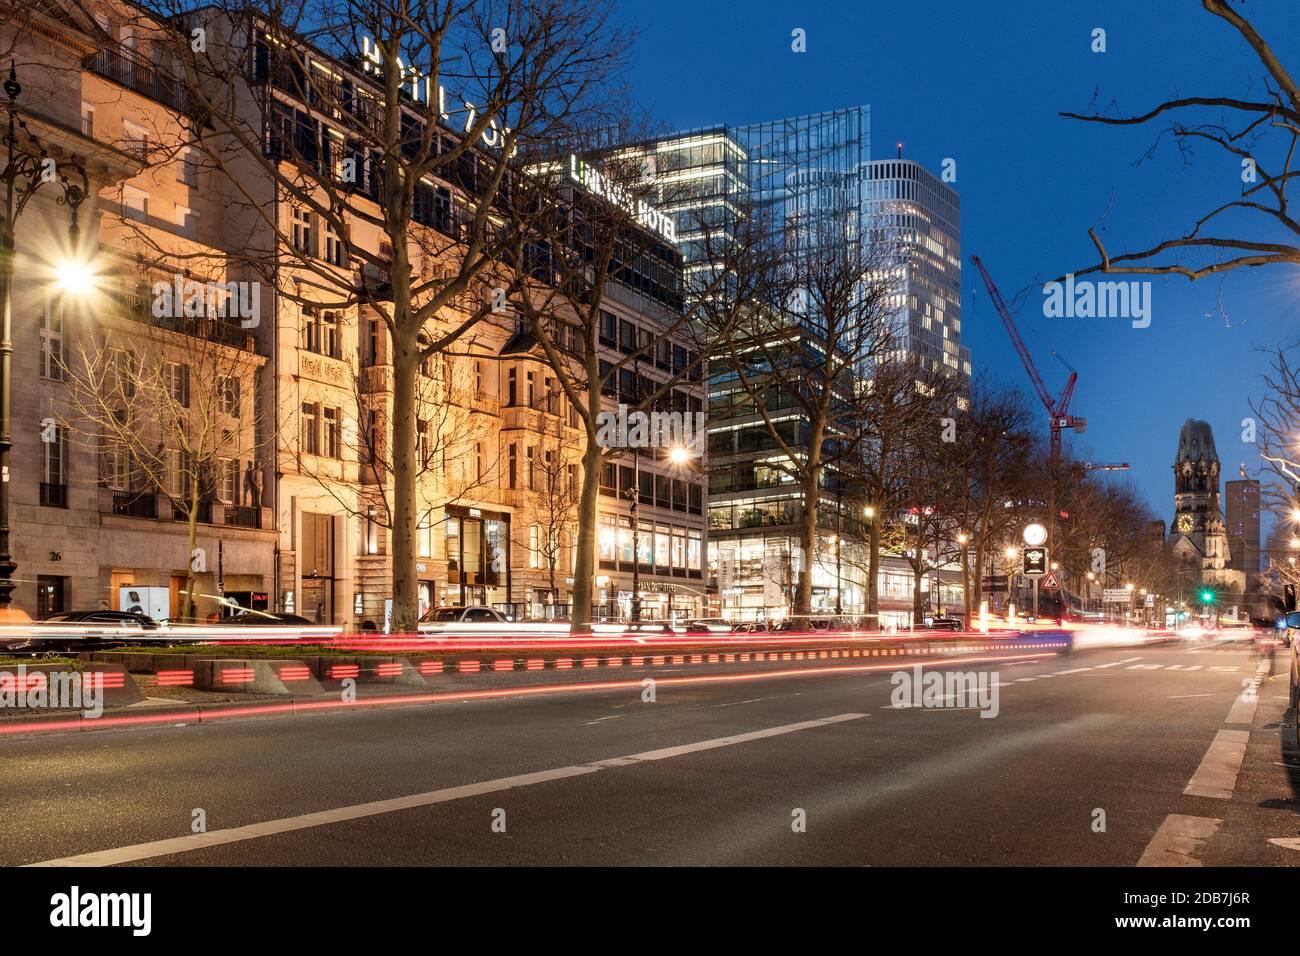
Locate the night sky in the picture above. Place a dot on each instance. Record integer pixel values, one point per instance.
(982, 83)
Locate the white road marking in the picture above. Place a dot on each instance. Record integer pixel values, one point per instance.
(1025, 680)
(1216, 777)
(1185, 696)
(1178, 838)
(199, 841)
(1077, 670)
(1289, 843)
(1243, 709)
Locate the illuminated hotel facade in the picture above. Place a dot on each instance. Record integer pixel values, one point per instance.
(294, 523)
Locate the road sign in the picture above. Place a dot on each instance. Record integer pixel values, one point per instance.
(1117, 595)
(1033, 562)
(1050, 582)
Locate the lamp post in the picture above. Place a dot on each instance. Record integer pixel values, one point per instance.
(28, 166)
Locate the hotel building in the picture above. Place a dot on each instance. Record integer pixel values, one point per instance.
(296, 521)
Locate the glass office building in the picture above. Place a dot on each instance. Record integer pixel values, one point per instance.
(791, 172)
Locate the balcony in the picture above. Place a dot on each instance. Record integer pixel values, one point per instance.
(375, 379)
(128, 70)
(135, 504)
(138, 308)
(53, 495)
(205, 513)
(243, 516)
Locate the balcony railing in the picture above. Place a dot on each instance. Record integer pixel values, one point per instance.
(135, 504)
(54, 495)
(244, 516)
(205, 512)
(127, 69)
(137, 307)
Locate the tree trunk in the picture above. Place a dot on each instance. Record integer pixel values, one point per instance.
(406, 368)
(188, 607)
(808, 541)
(584, 574)
(873, 571)
(919, 570)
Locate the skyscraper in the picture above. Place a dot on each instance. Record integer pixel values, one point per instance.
(1242, 506)
(920, 216)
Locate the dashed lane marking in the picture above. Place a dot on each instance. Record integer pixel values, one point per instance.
(199, 841)
(1216, 777)
(1177, 841)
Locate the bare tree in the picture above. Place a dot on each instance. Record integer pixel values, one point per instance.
(992, 472)
(168, 401)
(1260, 135)
(821, 321)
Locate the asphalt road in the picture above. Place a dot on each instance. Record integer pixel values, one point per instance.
(1154, 754)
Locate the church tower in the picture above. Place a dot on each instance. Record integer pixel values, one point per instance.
(1198, 532)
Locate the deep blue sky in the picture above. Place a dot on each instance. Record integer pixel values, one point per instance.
(982, 83)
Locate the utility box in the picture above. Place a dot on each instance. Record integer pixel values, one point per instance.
(155, 602)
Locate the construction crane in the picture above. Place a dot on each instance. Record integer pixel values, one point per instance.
(1093, 466)
(1058, 411)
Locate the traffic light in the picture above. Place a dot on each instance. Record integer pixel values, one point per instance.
(1207, 596)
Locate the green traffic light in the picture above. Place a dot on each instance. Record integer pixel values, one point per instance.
(1207, 597)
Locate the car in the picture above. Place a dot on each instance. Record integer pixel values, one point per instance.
(750, 627)
(649, 627)
(943, 624)
(1288, 628)
(82, 630)
(265, 619)
(470, 614)
(707, 625)
(129, 619)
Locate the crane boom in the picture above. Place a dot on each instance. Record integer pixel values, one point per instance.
(1005, 314)
(1058, 411)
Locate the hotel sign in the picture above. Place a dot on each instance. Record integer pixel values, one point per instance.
(420, 89)
(598, 184)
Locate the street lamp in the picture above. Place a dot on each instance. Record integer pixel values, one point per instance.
(28, 166)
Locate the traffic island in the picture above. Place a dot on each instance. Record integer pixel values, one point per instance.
(232, 675)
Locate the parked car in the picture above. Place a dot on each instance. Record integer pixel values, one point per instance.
(750, 627)
(649, 627)
(943, 624)
(1288, 629)
(129, 619)
(267, 619)
(81, 631)
(707, 625)
(470, 614)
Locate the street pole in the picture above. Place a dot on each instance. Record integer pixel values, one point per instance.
(636, 497)
(839, 545)
(30, 165)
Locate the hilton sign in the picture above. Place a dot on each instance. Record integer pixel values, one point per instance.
(420, 89)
